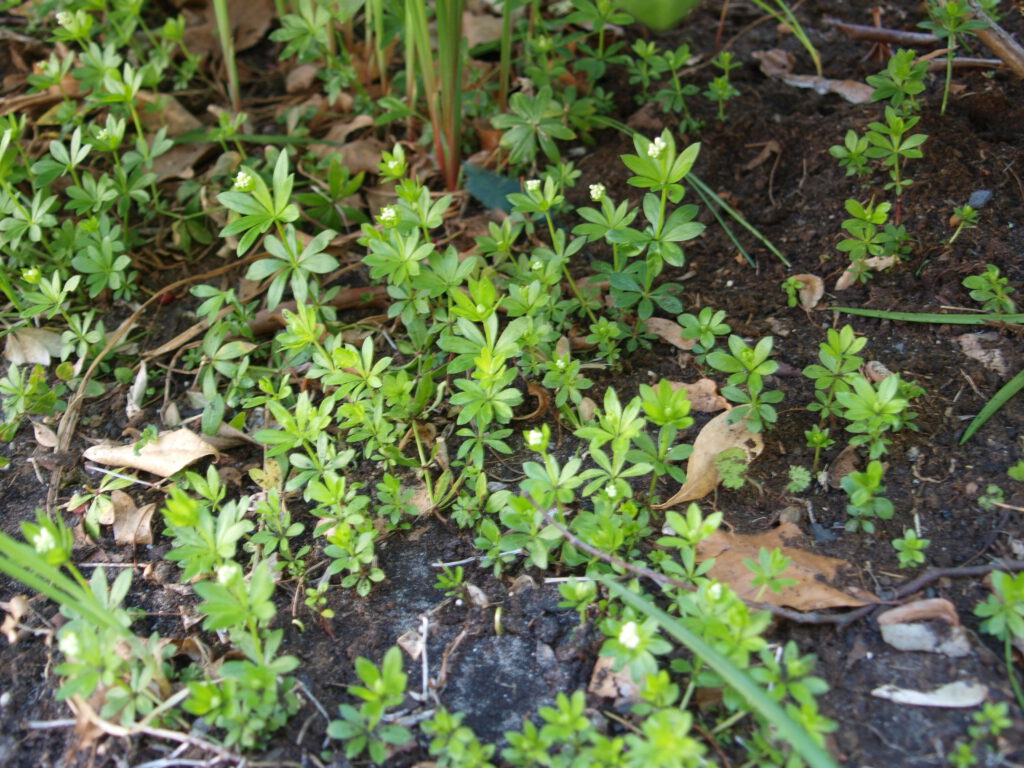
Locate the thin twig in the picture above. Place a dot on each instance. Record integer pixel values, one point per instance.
(883, 35)
(998, 40)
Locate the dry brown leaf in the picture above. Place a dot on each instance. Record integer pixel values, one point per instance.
(249, 20)
(45, 436)
(701, 471)
(587, 409)
(412, 643)
(543, 402)
(811, 572)
(669, 332)
(971, 345)
(480, 28)
(163, 111)
(961, 694)
(775, 62)
(921, 610)
(16, 608)
(301, 78)
(32, 346)
(228, 437)
(339, 133)
(137, 392)
(169, 453)
(846, 462)
(703, 395)
(131, 523)
(421, 499)
(768, 149)
(609, 684)
(179, 161)
(854, 91)
(875, 262)
(811, 291)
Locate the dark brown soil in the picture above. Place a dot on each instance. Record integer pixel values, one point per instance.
(796, 199)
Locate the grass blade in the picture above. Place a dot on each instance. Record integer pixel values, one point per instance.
(931, 317)
(1008, 390)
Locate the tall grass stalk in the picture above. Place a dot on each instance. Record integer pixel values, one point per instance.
(227, 46)
(442, 79)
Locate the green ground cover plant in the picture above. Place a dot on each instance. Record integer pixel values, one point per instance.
(364, 425)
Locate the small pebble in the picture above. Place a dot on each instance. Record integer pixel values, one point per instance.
(822, 534)
(979, 198)
(5, 698)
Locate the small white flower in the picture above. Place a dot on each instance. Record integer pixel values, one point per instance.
(628, 635)
(388, 216)
(533, 185)
(715, 591)
(243, 181)
(611, 492)
(481, 308)
(560, 363)
(69, 644)
(64, 18)
(537, 265)
(535, 438)
(597, 192)
(656, 147)
(43, 541)
(102, 134)
(227, 573)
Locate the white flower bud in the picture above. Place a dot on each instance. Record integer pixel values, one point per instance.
(388, 216)
(628, 635)
(533, 185)
(68, 644)
(597, 192)
(243, 181)
(43, 541)
(656, 148)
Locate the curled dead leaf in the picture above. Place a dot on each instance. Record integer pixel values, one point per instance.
(812, 573)
(45, 436)
(16, 608)
(846, 462)
(811, 290)
(877, 263)
(35, 346)
(543, 402)
(961, 694)
(701, 471)
(132, 525)
(703, 395)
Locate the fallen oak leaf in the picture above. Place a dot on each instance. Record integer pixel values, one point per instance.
(811, 592)
(168, 454)
(701, 471)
